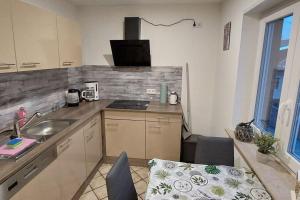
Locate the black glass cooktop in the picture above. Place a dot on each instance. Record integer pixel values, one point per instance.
(129, 104)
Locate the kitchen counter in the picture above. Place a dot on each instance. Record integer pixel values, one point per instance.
(81, 113)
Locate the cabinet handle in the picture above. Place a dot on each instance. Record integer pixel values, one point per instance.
(31, 172)
(4, 67)
(67, 63)
(154, 127)
(114, 125)
(94, 124)
(64, 146)
(89, 137)
(30, 65)
(7, 64)
(64, 149)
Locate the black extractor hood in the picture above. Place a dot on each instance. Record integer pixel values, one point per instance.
(132, 51)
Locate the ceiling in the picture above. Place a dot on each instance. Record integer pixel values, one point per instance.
(139, 2)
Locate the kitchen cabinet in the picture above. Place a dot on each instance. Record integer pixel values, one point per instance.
(44, 186)
(93, 143)
(35, 34)
(143, 135)
(71, 161)
(163, 136)
(125, 131)
(7, 50)
(69, 39)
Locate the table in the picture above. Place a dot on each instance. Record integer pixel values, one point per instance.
(183, 181)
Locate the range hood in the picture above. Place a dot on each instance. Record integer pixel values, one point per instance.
(131, 51)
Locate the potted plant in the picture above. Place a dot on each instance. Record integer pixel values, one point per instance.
(266, 146)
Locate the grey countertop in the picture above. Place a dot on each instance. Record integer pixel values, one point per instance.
(81, 113)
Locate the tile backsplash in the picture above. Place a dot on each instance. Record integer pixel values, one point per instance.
(34, 90)
(131, 83)
(43, 90)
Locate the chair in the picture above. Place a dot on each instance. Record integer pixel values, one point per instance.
(214, 151)
(119, 182)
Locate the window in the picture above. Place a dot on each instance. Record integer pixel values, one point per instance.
(294, 147)
(275, 49)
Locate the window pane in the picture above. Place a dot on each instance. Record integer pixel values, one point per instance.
(273, 62)
(294, 147)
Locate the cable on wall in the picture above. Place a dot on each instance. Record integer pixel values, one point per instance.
(172, 24)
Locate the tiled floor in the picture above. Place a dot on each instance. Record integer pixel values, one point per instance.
(96, 190)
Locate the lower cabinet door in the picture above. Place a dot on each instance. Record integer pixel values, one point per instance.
(92, 144)
(163, 140)
(45, 186)
(71, 160)
(125, 135)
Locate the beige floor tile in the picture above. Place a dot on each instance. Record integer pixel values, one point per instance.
(139, 198)
(97, 182)
(141, 187)
(97, 174)
(143, 196)
(135, 177)
(131, 170)
(87, 189)
(136, 168)
(147, 180)
(104, 175)
(106, 198)
(104, 169)
(144, 172)
(89, 196)
(101, 192)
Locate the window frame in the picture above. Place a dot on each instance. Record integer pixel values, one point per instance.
(293, 10)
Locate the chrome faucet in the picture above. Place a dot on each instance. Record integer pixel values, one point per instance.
(17, 126)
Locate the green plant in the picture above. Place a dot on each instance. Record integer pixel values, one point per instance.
(162, 188)
(211, 169)
(162, 174)
(233, 183)
(265, 143)
(218, 190)
(242, 196)
(187, 166)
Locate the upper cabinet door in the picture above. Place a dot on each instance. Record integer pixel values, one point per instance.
(7, 51)
(69, 39)
(35, 32)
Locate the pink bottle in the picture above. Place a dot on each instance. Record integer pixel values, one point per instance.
(22, 116)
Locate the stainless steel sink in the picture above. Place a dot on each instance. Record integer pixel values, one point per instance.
(47, 128)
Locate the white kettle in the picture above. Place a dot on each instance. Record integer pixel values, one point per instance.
(173, 98)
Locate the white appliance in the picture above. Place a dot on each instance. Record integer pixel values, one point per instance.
(91, 91)
(173, 98)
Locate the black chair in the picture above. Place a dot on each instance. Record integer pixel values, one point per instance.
(214, 151)
(119, 182)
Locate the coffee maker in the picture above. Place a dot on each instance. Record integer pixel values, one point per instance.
(90, 91)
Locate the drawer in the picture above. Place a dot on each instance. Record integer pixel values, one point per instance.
(136, 116)
(158, 117)
(92, 122)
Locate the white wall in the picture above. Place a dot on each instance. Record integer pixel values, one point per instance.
(172, 46)
(227, 70)
(61, 7)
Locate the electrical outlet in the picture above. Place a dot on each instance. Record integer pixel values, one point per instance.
(151, 91)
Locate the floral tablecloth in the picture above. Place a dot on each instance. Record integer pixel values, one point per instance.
(175, 180)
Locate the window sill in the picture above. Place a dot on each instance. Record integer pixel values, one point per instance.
(276, 179)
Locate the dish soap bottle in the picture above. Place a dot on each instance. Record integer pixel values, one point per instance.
(21, 116)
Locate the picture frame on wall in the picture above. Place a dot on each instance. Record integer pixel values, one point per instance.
(227, 32)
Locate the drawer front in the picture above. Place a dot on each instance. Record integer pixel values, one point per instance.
(125, 135)
(163, 140)
(124, 115)
(93, 122)
(158, 117)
